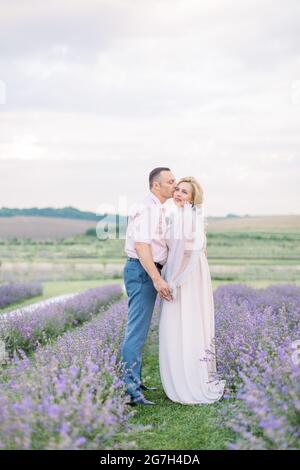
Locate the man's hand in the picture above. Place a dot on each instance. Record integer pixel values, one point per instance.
(145, 256)
(163, 288)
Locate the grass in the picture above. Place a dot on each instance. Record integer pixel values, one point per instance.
(54, 288)
(250, 242)
(263, 249)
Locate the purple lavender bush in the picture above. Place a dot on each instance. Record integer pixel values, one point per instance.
(256, 330)
(71, 394)
(28, 329)
(12, 293)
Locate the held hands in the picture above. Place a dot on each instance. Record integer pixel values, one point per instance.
(163, 288)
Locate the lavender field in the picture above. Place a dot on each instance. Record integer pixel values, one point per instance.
(17, 291)
(258, 347)
(25, 330)
(69, 394)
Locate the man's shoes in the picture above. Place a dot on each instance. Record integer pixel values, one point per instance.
(140, 401)
(144, 387)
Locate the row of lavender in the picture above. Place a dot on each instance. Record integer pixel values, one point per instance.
(26, 330)
(12, 293)
(257, 339)
(70, 395)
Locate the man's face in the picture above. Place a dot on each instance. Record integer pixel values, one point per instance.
(167, 184)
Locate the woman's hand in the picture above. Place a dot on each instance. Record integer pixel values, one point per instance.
(162, 288)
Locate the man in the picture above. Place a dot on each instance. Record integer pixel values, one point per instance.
(147, 252)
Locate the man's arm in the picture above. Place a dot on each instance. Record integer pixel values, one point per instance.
(144, 253)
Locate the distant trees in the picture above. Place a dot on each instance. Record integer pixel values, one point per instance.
(68, 212)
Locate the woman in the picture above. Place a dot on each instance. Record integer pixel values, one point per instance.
(186, 326)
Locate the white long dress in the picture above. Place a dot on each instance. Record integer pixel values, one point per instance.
(186, 324)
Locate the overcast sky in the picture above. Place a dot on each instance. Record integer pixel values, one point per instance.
(95, 94)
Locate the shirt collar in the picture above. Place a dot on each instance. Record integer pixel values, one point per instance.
(156, 200)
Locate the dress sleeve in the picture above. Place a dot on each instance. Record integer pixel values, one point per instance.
(196, 240)
(187, 246)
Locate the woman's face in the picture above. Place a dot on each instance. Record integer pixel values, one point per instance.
(182, 194)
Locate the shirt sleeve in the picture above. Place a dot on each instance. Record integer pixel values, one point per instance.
(141, 227)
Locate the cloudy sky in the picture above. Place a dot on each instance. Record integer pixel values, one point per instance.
(96, 93)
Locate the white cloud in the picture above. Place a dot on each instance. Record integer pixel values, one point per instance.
(207, 88)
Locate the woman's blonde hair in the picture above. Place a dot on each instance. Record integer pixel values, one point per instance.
(197, 190)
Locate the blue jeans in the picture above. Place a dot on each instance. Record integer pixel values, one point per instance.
(141, 300)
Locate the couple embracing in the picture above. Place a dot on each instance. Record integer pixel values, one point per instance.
(166, 257)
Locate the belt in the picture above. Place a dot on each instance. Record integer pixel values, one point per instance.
(158, 265)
